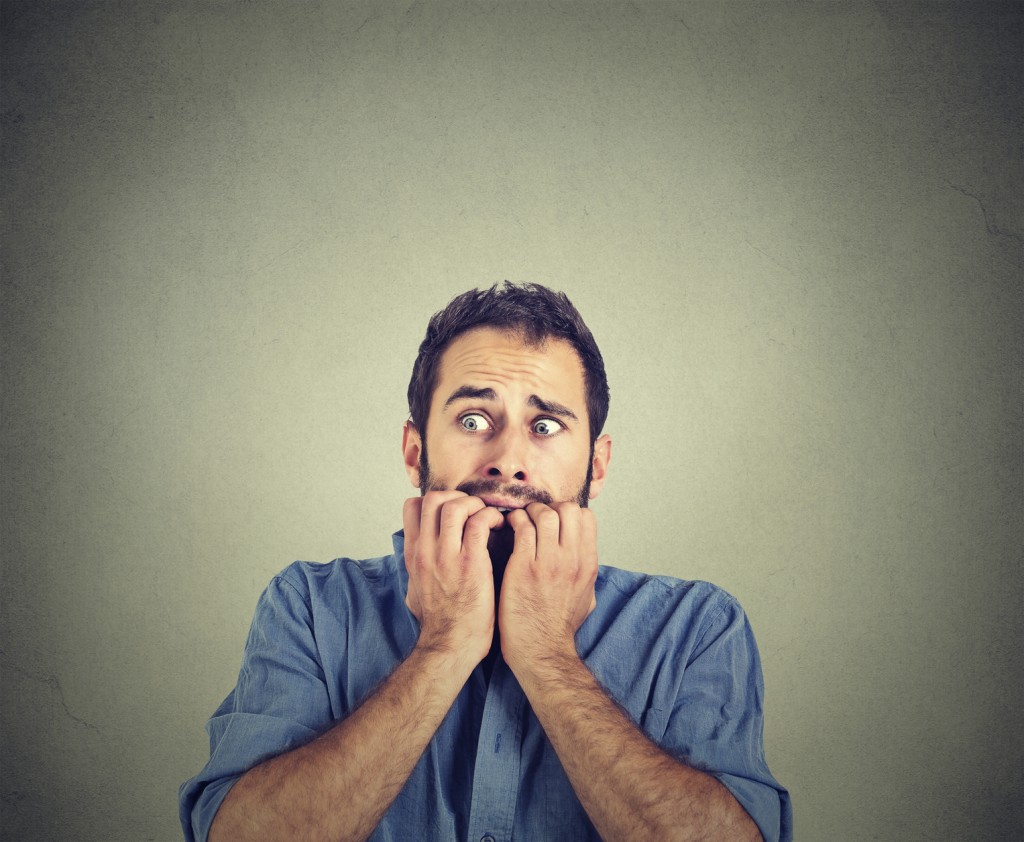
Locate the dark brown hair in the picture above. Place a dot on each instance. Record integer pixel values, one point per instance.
(530, 310)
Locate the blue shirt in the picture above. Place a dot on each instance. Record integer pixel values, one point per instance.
(679, 656)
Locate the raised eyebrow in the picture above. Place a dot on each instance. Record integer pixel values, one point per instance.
(552, 408)
(472, 393)
(488, 394)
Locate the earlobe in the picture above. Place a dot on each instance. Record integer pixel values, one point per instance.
(602, 456)
(411, 452)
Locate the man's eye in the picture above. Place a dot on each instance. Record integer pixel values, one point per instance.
(547, 427)
(474, 422)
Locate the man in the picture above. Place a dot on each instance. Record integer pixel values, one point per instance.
(488, 681)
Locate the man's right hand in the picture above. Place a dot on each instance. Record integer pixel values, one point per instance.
(451, 582)
(451, 592)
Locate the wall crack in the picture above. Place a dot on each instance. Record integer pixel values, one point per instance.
(990, 226)
(56, 691)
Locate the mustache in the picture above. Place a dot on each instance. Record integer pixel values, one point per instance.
(527, 493)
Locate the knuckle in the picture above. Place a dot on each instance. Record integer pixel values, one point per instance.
(475, 527)
(485, 517)
(548, 519)
(524, 528)
(452, 516)
(439, 498)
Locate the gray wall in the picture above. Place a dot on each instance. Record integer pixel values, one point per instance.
(795, 230)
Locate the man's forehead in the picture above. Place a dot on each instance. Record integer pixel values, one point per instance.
(490, 356)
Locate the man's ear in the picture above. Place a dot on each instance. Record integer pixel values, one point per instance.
(411, 446)
(602, 456)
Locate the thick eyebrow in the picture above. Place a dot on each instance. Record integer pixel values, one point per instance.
(473, 393)
(552, 408)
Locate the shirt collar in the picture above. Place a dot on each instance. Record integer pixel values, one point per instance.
(398, 542)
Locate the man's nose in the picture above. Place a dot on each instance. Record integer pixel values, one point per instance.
(508, 459)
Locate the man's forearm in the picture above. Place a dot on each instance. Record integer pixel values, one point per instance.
(630, 788)
(340, 785)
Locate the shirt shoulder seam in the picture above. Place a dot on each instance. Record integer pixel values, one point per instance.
(723, 600)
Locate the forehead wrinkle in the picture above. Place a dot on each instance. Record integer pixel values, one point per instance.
(480, 361)
(482, 367)
(486, 361)
(487, 343)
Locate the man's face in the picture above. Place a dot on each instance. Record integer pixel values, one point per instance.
(508, 423)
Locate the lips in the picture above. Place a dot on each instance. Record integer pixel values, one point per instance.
(503, 504)
(504, 496)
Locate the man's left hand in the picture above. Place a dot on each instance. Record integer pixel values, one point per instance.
(548, 587)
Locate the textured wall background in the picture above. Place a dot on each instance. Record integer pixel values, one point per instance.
(795, 229)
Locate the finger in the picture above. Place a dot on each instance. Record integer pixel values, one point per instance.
(454, 514)
(588, 548)
(525, 546)
(479, 526)
(588, 554)
(547, 523)
(411, 523)
(569, 525)
(430, 518)
(588, 535)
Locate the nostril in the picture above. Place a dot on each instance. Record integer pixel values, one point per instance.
(493, 472)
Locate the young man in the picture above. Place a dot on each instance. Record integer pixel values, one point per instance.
(488, 681)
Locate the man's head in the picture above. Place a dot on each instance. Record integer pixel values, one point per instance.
(508, 397)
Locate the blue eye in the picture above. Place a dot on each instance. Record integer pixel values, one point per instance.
(474, 422)
(547, 427)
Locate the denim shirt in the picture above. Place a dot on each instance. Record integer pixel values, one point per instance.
(678, 656)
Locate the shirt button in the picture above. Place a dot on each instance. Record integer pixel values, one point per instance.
(487, 838)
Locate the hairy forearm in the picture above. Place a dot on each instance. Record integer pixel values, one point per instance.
(630, 788)
(340, 785)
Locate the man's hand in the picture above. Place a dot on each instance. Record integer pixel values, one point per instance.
(451, 583)
(296, 794)
(547, 593)
(548, 588)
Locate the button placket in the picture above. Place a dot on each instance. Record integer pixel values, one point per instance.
(496, 776)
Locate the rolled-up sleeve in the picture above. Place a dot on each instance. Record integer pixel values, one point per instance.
(279, 703)
(717, 721)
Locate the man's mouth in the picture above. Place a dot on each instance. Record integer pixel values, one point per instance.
(504, 496)
(503, 505)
